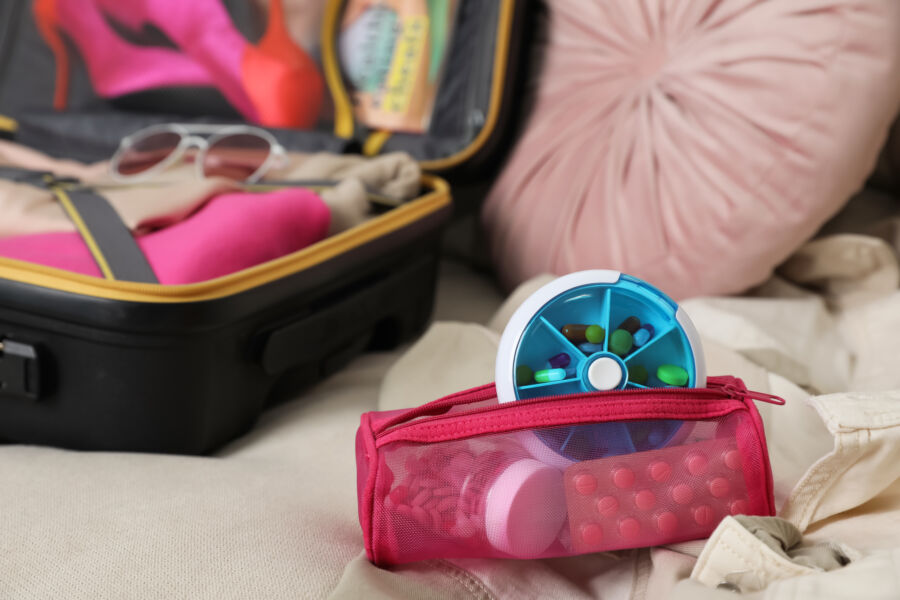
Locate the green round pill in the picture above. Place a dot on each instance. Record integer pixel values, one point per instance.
(594, 334)
(524, 375)
(672, 375)
(620, 342)
(638, 374)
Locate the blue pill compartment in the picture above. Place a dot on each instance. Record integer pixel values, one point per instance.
(607, 305)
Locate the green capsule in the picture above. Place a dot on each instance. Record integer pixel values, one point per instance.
(638, 374)
(524, 375)
(548, 375)
(672, 375)
(594, 334)
(620, 342)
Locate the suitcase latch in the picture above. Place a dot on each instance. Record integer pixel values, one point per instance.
(19, 374)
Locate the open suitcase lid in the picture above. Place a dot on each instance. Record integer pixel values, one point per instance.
(466, 132)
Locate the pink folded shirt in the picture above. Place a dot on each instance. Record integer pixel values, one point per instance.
(229, 233)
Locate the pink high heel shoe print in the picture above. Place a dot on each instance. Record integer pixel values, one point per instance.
(274, 83)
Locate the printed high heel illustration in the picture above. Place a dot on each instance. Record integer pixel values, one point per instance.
(115, 67)
(274, 83)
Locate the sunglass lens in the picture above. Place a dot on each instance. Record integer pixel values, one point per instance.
(146, 152)
(236, 156)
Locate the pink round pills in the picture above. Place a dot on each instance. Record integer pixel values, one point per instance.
(421, 515)
(421, 497)
(608, 506)
(719, 487)
(682, 493)
(703, 514)
(667, 523)
(733, 460)
(738, 507)
(629, 527)
(696, 463)
(399, 494)
(623, 477)
(592, 534)
(660, 471)
(644, 499)
(585, 484)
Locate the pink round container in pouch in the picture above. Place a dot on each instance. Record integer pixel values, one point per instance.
(525, 508)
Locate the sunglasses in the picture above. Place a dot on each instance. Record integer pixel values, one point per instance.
(237, 152)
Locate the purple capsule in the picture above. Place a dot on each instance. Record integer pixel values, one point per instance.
(560, 361)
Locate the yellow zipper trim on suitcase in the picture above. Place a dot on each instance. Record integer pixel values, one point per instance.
(343, 108)
(7, 124)
(58, 279)
(501, 53)
(375, 142)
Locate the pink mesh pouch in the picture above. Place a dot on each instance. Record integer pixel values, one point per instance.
(466, 476)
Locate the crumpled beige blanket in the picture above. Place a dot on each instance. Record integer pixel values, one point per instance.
(274, 514)
(178, 192)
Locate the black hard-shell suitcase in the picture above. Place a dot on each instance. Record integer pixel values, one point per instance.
(113, 365)
(94, 364)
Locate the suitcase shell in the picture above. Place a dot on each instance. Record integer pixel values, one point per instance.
(90, 363)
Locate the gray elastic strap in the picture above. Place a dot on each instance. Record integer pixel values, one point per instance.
(125, 258)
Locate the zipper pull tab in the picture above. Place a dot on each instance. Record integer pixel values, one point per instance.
(763, 397)
(743, 393)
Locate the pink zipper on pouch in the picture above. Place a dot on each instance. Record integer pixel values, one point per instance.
(465, 476)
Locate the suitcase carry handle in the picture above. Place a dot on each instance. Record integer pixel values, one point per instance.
(19, 372)
(327, 331)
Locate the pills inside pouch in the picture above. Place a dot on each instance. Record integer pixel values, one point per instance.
(646, 497)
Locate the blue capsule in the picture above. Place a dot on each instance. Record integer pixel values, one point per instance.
(643, 335)
(589, 348)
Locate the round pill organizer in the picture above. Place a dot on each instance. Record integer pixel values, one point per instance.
(593, 331)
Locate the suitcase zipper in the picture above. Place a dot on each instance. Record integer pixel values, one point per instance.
(722, 396)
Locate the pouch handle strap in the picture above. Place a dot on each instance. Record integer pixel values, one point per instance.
(109, 240)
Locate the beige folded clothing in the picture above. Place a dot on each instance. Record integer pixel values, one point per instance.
(178, 192)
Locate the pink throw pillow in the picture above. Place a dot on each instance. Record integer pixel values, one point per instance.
(697, 143)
